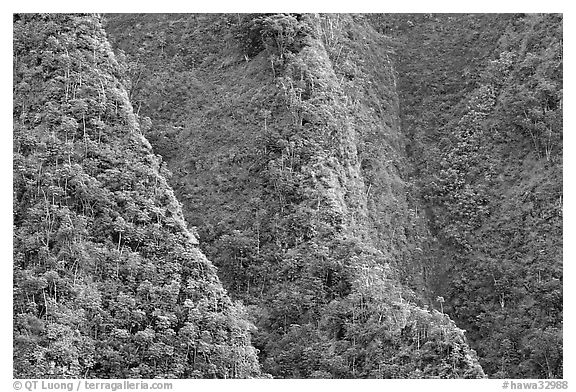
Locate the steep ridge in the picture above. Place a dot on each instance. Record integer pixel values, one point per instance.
(283, 135)
(108, 281)
(482, 103)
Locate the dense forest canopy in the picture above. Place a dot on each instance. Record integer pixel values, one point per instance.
(288, 196)
(108, 281)
(489, 169)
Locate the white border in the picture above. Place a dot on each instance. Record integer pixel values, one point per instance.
(292, 6)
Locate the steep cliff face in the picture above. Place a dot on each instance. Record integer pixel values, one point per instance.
(482, 103)
(283, 135)
(108, 280)
(339, 178)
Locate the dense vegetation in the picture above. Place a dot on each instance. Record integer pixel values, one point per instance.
(108, 282)
(286, 153)
(363, 185)
(482, 102)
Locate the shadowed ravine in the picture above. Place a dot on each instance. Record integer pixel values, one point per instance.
(288, 196)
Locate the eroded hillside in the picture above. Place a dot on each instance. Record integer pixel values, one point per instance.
(283, 136)
(481, 99)
(108, 281)
(363, 187)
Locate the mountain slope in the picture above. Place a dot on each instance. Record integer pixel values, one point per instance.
(282, 132)
(108, 281)
(482, 103)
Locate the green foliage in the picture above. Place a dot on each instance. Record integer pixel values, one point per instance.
(108, 281)
(278, 34)
(271, 164)
(486, 133)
